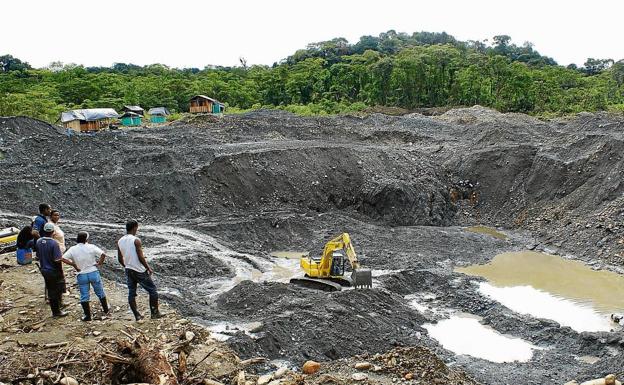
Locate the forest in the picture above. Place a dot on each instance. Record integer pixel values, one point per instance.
(409, 71)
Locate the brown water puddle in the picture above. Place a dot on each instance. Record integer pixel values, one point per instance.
(487, 231)
(289, 254)
(549, 286)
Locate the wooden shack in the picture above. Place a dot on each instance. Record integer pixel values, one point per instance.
(134, 109)
(92, 119)
(204, 104)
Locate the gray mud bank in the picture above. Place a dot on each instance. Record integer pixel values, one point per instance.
(218, 195)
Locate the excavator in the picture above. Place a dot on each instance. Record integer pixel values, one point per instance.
(328, 272)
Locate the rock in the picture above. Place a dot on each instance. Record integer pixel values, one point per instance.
(48, 374)
(281, 372)
(241, 378)
(189, 336)
(96, 333)
(409, 376)
(264, 379)
(211, 382)
(363, 365)
(68, 381)
(311, 367)
(275, 382)
(359, 377)
(571, 383)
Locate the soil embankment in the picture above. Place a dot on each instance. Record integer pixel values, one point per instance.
(218, 195)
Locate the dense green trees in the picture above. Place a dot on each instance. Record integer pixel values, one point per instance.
(394, 69)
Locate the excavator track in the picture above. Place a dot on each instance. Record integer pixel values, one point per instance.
(316, 283)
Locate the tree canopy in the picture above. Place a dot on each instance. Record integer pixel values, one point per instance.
(423, 69)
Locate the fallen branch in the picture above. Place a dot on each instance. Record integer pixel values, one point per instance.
(252, 361)
(55, 345)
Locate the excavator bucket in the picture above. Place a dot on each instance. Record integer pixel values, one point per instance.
(362, 278)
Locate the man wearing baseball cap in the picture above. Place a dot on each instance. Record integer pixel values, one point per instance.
(50, 257)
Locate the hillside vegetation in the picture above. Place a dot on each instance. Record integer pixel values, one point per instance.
(394, 69)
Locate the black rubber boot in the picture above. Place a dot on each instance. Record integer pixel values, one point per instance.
(104, 304)
(154, 308)
(133, 307)
(55, 305)
(87, 311)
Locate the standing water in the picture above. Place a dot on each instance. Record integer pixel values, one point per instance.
(464, 334)
(548, 286)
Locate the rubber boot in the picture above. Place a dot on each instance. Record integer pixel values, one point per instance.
(104, 304)
(154, 308)
(86, 307)
(133, 307)
(55, 305)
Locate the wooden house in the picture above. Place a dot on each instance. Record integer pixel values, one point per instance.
(130, 119)
(158, 114)
(92, 119)
(135, 109)
(204, 104)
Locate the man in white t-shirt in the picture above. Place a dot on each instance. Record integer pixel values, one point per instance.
(138, 272)
(86, 258)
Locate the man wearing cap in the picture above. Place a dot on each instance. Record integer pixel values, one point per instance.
(86, 258)
(130, 256)
(50, 257)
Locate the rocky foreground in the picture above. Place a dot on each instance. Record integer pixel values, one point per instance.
(38, 349)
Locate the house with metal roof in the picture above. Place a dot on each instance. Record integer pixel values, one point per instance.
(158, 114)
(135, 109)
(204, 104)
(91, 119)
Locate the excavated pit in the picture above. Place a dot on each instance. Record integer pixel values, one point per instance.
(420, 196)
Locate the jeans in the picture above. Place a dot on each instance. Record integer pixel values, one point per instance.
(86, 280)
(134, 277)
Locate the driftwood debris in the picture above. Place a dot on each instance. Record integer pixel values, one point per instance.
(141, 362)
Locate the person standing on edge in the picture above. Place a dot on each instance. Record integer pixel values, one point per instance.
(41, 219)
(50, 256)
(86, 258)
(130, 256)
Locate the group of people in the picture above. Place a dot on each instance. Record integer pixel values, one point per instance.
(45, 238)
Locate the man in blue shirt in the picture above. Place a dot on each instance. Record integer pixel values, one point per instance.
(44, 212)
(50, 257)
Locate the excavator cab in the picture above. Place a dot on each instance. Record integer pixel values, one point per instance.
(338, 264)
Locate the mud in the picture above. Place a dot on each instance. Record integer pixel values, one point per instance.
(219, 195)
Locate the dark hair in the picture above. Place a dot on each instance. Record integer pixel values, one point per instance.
(43, 207)
(55, 211)
(24, 236)
(82, 237)
(131, 224)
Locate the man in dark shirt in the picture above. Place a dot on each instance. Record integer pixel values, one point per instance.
(50, 257)
(44, 212)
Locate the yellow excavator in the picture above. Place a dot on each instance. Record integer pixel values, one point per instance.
(328, 272)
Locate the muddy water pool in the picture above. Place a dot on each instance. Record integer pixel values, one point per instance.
(552, 287)
(464, 334)
(487, 231)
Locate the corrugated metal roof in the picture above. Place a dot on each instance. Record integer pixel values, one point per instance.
(158, 111)
(207, 98)
(89, 114)
(129, 113)
(134, 108)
